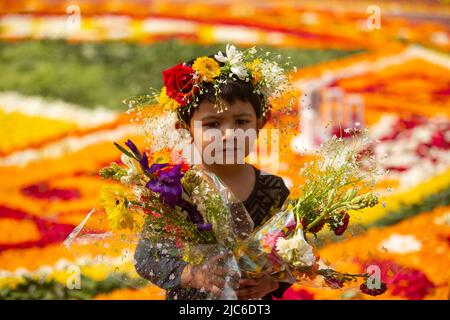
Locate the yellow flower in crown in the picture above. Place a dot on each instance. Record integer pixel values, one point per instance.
(166, 102)
(115, 203)
(207, 68)
(255, 70)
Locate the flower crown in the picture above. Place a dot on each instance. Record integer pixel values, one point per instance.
(183, 83)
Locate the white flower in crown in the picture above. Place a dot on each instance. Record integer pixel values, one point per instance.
(296, 250)
(234, 58)
(274, 78)
(240, 71)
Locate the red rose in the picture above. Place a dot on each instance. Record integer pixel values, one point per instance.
(180, 84)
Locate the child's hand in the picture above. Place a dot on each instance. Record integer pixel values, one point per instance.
(256, 288)
(209, 275)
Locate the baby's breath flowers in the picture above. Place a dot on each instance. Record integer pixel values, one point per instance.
(334, 185)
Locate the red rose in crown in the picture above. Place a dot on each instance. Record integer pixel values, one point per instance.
(180, 83)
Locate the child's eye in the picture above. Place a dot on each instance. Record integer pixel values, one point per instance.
(242, 121)
(211, 124)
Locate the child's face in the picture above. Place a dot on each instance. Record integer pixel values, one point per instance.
(216, 135)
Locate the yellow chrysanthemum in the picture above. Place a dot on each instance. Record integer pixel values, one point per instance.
(255, 70)
(114, 200)
(167, 102)
(207, 68)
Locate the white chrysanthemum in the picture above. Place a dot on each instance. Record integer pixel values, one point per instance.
(296, 250)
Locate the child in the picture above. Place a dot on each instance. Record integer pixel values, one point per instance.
(261, 193)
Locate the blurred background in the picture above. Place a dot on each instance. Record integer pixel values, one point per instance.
(66, 66)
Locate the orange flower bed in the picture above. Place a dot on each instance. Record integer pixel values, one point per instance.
(33, 258)
(17, 231)
(36, 137)
(87, 160)
(293, 24)
(147, 293)
(403, 88)
(24, 131)
(432, 259)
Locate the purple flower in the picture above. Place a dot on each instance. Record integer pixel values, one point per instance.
(166, 183)
(144, 163)
(153, 168)
(133, 148)
(194, 215)
(204, 226)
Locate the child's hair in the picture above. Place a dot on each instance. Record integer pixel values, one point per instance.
(230, 91)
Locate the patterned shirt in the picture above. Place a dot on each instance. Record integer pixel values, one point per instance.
(268, 195)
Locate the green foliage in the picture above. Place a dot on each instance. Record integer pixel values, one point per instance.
(114, 172)
(439, 199)
(106, 73)
(125, 151)
(34, 289)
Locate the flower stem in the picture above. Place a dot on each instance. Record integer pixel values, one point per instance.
(145, 206)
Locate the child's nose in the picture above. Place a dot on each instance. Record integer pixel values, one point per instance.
(228, 135)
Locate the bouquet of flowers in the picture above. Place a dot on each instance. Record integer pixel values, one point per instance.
(183, 205)
(195, 216)
(335, 184)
